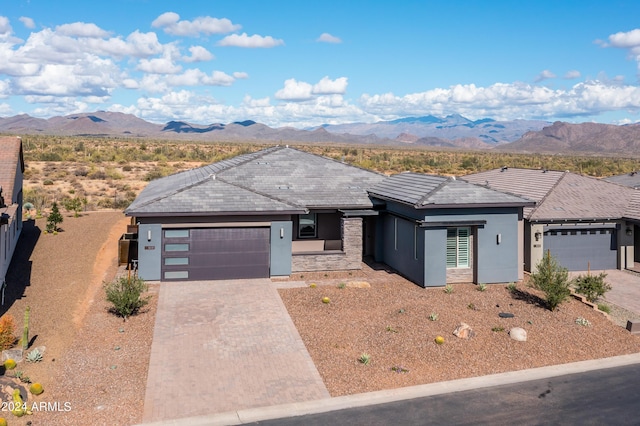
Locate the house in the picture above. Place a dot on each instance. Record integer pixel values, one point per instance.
(268, 213)
(583, 221)
(281, 210)
(631, 180)
(11, 176)
(437, 230)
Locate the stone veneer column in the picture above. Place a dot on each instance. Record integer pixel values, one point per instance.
(352, 242)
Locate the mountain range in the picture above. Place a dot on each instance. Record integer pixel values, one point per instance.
(453, 131)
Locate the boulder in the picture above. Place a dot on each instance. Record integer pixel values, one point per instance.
(14, 354)
(464, 331)
(519, 334)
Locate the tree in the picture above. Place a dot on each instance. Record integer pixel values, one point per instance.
(552, 279)
(591, 286)
(74, 204)
(54, 218)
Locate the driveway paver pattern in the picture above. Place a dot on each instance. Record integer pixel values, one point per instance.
(225, 345)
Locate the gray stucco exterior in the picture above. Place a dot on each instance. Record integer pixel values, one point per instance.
(149, 251)
(280, 250)
(414, 242)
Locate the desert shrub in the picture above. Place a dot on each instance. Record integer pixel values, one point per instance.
(125, 294)
(591, 286)
(54, 218)
(47, 182)
(81, 171)
(74, 204)
(97, 174)
(127, 168)
(604, 308)
(7, 331)
(552, 279)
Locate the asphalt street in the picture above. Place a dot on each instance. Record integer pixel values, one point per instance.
(601, 397)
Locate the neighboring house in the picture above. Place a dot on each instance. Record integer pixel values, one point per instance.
(11, 176)
(268, 213)
(631, 180)
(437, 230)
(583, 221)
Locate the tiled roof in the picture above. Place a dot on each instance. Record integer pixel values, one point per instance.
(628, 179)
(560, 195)
(11, 158)
(425, 191)
(633, 208)
(276, 179)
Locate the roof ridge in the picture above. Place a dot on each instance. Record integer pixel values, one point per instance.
(542, 200)
(250, 156)
(337, 161)
(422, 201)
(222, 179)
(499, 191)
(208, 176)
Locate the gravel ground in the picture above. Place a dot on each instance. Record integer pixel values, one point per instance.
(390, 322)
(91, 372)
(98, 364)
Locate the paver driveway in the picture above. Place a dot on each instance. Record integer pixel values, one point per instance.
(220, 346)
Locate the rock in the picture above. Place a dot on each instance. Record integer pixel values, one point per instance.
(358, 284)
(464, 331)
(519, 334)
(14, 354)
(505, 315)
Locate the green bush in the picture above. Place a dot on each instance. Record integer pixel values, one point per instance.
(54, 218)
(591, 286)
(552, 279)
(125, 294)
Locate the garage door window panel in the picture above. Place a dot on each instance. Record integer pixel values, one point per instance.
(176, 247)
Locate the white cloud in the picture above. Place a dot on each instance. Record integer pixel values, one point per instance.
(198, 54)
(195, 77)
(5, 27)
(570, 75)
(294, 90)
(544, 75)
(326, 86)
(97, 77)
(254, 41)
(625, 40)
(158, 66)
(239, 75)
(328, 38)
(81, 29)
(171, 24)
(27, 22)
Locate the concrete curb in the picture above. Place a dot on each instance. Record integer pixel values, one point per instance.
(372, 398)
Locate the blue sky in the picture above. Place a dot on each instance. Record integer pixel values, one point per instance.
(301, 64)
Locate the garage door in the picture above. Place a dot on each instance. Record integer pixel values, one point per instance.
(215, 253)
(577, 248)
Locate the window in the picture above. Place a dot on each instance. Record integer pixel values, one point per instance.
(176, 247)
(168, 261)
(176, 233)
(415, 243)
(395, 233)
(458, 247)
(307, 225)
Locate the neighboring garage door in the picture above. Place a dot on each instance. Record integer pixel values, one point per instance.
(215, 253)
(578, 249)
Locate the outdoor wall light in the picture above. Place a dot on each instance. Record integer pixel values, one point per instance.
(281, 232)
(538, 235)
(149, 235)
(498, 238)
(629, 231)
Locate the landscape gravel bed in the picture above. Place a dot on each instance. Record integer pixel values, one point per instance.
(390, 322)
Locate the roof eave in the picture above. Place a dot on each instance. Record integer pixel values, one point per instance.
(216, 213)
(474, 205)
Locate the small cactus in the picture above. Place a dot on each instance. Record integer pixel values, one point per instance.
(439, 340)
(36, 389)
(10, 364)
(326, 300)
(34, 356)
